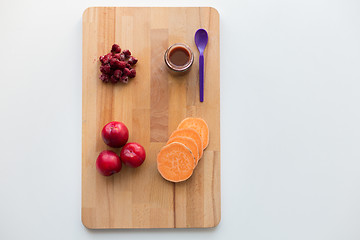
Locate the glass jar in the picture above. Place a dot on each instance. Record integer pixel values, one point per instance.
(179, 57)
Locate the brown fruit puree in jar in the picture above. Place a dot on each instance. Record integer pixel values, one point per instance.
(179, 57)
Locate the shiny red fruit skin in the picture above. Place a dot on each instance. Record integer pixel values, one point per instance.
(108, 163)
(115, 134)
(132, 154)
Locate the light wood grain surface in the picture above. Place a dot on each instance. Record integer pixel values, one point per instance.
(151, 105)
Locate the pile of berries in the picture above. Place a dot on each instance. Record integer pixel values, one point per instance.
(117, 66)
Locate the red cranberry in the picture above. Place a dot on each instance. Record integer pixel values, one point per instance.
(132, 73)
(124, 79)
(127, 53)
(128, 66)
(113, 62)
(117, 74)
(105, 78)
(105, 68)
(115, 48)
(122, 57)
(118, 64)
(121, 64)
(126, 72)
(105, 59)
(132, 60)
(113, 79)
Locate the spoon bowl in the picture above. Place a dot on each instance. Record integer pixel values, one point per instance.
(201, 39)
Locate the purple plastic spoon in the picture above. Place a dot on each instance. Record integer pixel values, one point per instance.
(201, 39)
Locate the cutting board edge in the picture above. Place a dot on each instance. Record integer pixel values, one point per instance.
(88, 8)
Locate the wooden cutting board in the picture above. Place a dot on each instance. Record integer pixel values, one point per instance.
(151, 105)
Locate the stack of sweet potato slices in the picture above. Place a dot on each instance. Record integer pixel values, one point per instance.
(177, 160)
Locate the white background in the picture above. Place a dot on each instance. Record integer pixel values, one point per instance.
(290, 120)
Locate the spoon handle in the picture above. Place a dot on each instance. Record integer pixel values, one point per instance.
(201, 77)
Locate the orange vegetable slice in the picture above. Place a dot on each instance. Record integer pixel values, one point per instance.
(175, 162)
(191, 133)
(200, 126)
(189, 143)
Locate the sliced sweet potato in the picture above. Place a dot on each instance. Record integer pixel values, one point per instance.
(191, 133)
(189, 143)
(200, 126)
(175, 162)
